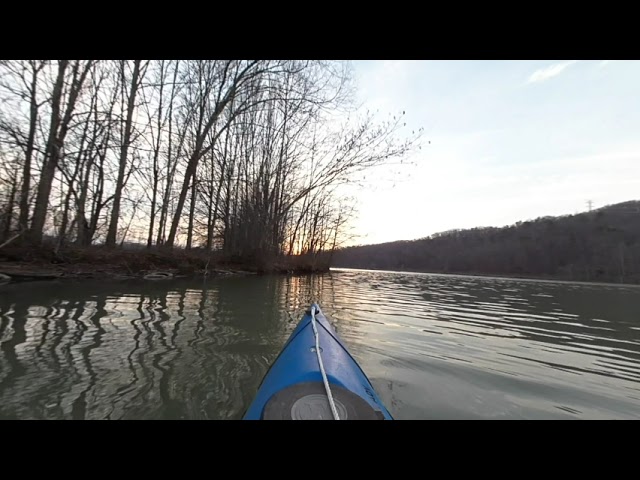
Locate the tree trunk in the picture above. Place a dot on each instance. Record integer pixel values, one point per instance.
(51, 158)
(26, 171)
(65, 220)
(81, 219)
(170, 168)
(9, 210)
(156, 153)
(191, 212)
(198, 150)
(57, 134)
(124, 149)
(153, 211)
(212, 221)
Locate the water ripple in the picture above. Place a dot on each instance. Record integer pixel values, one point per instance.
(435, 346)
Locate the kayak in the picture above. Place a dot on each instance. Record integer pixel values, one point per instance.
(307, 383)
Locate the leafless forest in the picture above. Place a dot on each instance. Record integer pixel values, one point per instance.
(601, 245)
(243, 157)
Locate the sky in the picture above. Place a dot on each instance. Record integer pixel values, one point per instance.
(509, 141)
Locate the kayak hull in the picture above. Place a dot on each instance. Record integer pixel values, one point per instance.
(296, 373)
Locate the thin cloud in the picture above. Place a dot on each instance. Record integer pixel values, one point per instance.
(603, 63)
(551, 71)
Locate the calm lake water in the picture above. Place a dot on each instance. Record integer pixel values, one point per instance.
(434, 346)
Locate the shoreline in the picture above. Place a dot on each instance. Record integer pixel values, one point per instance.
(26, 264)
(21, 264)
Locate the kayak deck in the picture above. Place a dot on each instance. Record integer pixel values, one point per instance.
(293, 386)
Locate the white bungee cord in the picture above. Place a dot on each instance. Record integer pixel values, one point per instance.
(334, 410)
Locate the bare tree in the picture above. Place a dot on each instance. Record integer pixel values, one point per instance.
(219, 83)
(253, 145)
(22, 83)
(159, 120)
(57, 132)
(8, 189)
(133, 86)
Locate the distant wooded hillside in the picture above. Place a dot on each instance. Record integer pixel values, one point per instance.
(602, 245)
